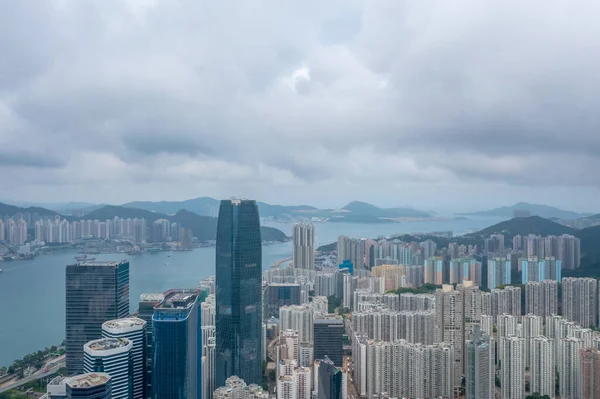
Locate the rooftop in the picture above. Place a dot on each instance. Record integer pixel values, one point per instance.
(107, 344)
(153, 297)
(124, 324)
(88, 380)
(97, 263)
(178, 299)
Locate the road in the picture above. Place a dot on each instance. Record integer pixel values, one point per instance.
(43, 372)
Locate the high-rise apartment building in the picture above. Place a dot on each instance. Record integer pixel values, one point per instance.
(543, 366)
(95, 292)
(569, 368)
(465, 269)
(580, 300)
(134, 329)
(450, 323)
(239, 292)
(89, 386)
(329, 338)
(539, 269)
(507, 325)
(513, 368)
(298, 318)
(590, 373)
(352, 249)
(498, 272)
(541, 297)
(531, 327)
(304, 246)
(434, 271)
(176, 329)
(479, 359)
(506, 301)
(112, 356)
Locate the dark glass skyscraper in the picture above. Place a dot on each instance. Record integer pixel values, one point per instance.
(329, 338)
(238, 293)
(95, 292)
(330, 380)
(177, 335)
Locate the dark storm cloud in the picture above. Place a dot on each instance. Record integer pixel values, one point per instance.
(277, 95)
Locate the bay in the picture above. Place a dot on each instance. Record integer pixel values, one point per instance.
(32, 292)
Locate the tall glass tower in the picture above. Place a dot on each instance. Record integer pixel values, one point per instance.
(95, 292)
(238, 293)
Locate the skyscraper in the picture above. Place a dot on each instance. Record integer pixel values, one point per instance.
(111, 356)
(590, 373)
(513, 368)
(304, 246)
(543, 366)
(352, 249)
(89, 386)
(329, 338)
(331, 380)
(580, 300)
(569, 367)
(498, 272)
(95, 292)
(238, 292)
(541, 298)
(479, 378)
(145, 312)
(133, 329)
(176, 329)
(450, 322)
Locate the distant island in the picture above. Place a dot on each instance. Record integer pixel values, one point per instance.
(523, 209)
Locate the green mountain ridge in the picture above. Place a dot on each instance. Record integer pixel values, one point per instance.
(544, 211)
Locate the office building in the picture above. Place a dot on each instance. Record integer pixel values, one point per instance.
(95, 292)
(145, 312)
(281, 294)
(352, 249)
(541, 297)
(238, 292)
(479, 375)
(332, 380)
(134, 329)
(543, 366)
(569, 368)
(590, 373)
(304, 246)
(112, 356)
(580, 300)
(329, 338)
(236, 388)
(176, 367)
(56, 388)
(513, 368)
(90, 386)
(498, 272)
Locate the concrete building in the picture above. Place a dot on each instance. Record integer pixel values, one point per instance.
(580, 300)
(569, 368)
(112, 356)
(498, 272)
(298, 318)
(236, 388)
(543, 366)
(304, 246)
(450, 322)
(479, 359)
(539, 269)
(95, 292)
(282, 294)
(352, 249)
(541, 297)
(590, 373)
(134, 329)
(506, 301)
(513, 367)
(434, 271)
(507, 326)
(531, 327)
(89, 386)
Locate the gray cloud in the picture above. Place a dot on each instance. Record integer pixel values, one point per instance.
(290, 101)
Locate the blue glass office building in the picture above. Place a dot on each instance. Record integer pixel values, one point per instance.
(238, 293)
(176, 334)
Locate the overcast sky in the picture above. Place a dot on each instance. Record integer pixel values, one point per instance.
(434, 104)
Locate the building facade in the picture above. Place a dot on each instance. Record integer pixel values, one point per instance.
(89, 386)
(95, 292)
(112, 356)
(304, 246)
